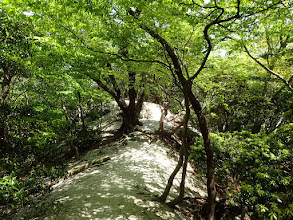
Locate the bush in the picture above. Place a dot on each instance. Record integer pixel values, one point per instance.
(260, 167)
(11, 191)
(37, 145)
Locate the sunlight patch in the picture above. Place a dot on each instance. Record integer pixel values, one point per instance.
(125, 186)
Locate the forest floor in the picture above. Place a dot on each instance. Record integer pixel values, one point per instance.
(126, 186)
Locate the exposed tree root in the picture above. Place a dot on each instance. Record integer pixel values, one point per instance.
(83, 167)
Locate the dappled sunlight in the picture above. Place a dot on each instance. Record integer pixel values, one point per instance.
(150, 117)
(127, 186)
(151, 111)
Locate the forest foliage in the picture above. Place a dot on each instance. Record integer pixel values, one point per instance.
(231, 60)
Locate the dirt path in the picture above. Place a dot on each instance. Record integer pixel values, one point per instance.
(124, 187)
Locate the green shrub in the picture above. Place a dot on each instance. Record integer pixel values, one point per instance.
(261, 165)
(11, 191)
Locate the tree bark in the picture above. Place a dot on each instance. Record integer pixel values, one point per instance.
(164, 113)
(211, 187)
(163, 197)
(7, 78)
(180, 197)
(257, 126)
(130, 113)
(130, 118)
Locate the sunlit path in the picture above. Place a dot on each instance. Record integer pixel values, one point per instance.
(124, 187)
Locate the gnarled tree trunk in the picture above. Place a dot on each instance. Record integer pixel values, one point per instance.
(130, 113)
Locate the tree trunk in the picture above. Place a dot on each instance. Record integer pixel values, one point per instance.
(186, 84)
(257, 126)
(130, 113)
(7, 78)
(164, 113)
(4, 98)
(180, 197)
(163, 197)
(211, 187)
(129, 121)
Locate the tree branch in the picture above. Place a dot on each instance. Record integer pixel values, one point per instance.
(262, 10)
(194, 3)
(165, 44)
(269, 70)
(103, 52)
(207, 38)
(102, 85)
(143, 61)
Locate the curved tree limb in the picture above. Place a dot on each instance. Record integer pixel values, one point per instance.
(269, 70)
(207, 37)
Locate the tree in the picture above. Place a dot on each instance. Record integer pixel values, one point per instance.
(274, 60)
(106, 71)
(218, 17)
(177, 40)
(267, 42)
(15, 44)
